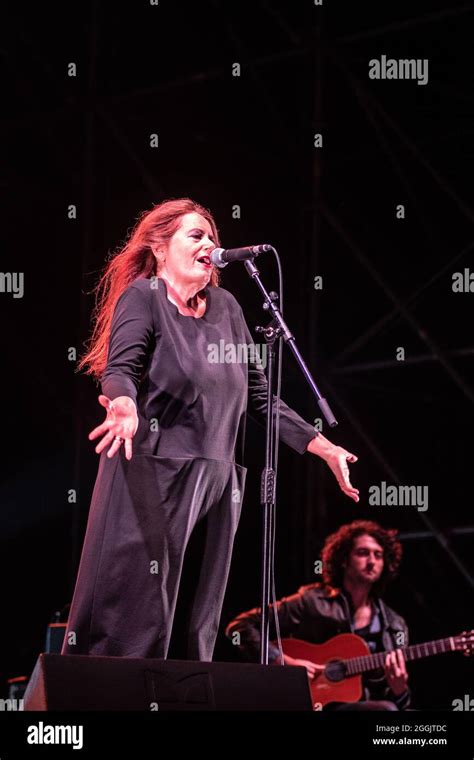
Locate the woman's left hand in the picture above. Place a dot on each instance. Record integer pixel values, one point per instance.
(336, 458)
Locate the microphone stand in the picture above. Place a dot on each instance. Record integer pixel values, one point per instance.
(276, 329)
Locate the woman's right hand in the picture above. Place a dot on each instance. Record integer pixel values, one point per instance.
(121, 421)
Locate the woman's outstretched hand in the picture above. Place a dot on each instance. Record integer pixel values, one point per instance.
(336, 458)
(121, 422)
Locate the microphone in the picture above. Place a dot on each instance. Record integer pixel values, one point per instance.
(220, 257)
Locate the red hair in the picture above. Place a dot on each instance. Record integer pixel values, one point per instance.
(135, 260)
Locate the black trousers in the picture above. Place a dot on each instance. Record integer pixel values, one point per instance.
(142, 514)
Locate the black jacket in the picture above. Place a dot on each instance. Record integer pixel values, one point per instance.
(315, 614)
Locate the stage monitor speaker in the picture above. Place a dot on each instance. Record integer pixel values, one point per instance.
(85, 682)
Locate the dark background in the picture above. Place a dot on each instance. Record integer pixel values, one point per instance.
(248, 141)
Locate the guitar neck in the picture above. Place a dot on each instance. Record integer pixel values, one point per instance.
(356, 665)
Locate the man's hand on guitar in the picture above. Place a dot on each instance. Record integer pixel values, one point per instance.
(396, 672)
(312, 668)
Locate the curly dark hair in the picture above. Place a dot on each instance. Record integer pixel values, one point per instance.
(338, 546)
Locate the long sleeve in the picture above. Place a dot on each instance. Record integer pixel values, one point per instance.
(130, 340)
(291, 612)
(294, 431)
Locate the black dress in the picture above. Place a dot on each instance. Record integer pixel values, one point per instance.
(190, 382)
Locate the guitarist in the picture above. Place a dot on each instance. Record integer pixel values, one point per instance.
(359, 560)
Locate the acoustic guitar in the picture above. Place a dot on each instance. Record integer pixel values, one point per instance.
(347, 656)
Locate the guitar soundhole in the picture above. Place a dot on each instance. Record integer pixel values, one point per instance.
(335, 670)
